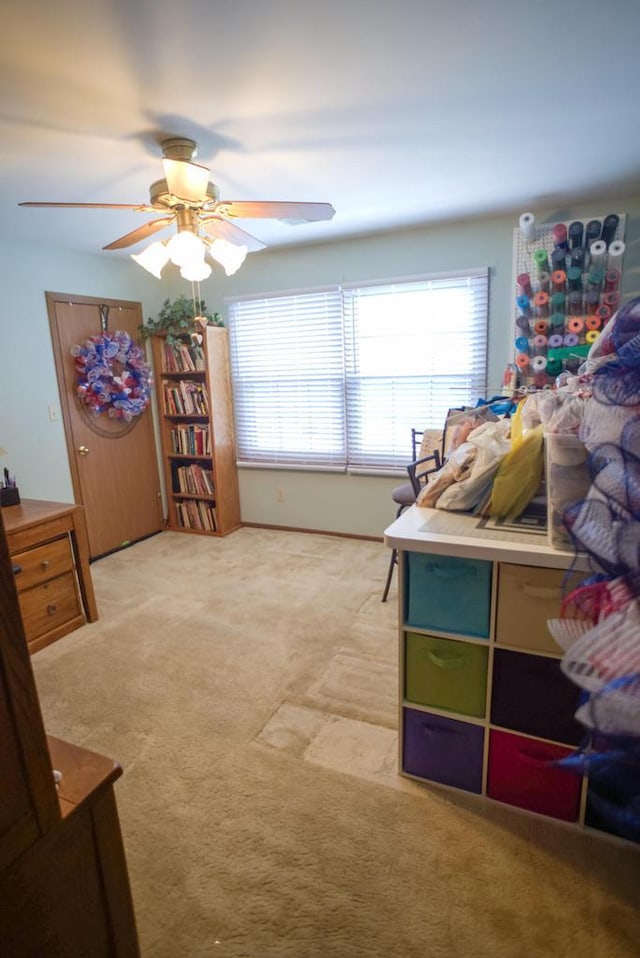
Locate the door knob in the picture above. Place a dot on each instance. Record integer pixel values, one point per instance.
(83, 450)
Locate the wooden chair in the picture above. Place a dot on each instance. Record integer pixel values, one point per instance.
(406, 494)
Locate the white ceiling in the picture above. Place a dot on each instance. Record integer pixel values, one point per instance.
(398, 114)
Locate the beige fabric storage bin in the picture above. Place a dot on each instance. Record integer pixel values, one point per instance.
(527, 597)
(567, 481)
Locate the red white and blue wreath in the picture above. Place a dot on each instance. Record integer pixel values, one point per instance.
(113, 375)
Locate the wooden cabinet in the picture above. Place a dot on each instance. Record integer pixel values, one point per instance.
(49, 554)
(485, 706)
(193, 391)
(64, 888)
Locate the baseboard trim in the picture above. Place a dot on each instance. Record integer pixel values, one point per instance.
(316, 532)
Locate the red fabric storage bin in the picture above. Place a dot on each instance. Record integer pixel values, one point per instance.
(521, 773)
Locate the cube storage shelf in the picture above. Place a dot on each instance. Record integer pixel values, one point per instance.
(195, 410)
(484, 704)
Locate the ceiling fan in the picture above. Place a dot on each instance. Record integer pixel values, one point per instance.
(204, 222)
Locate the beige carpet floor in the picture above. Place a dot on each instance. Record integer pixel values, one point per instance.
(248, 686)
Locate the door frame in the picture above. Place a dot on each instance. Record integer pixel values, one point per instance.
(52, 299)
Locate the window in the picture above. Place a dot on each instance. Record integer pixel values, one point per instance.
(336, 378)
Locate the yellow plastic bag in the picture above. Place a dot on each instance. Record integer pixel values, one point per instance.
(520, 472)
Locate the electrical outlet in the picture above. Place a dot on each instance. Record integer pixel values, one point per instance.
(53, 414)
(280, 495)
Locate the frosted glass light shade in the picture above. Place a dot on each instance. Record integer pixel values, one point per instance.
(230, 256)
(185, 248)
(153, 258)
(196, 271)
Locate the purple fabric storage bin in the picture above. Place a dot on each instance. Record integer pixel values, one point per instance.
(531, 694)
(443, 750)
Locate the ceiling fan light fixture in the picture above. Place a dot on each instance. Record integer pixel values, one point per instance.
(186, 181)
(196, 272)
(185, 247)
(228, 255)
(154, 258)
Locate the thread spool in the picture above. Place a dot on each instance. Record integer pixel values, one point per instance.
(541, 303)
(555, 341)
(609, 227)
(522, 344)
(558, 279)
(523, 304)
(524, 284)
(560, 234)
(611, 280)
(556, 302)
(593, 322)
(522, 323)
(541, 327)
(578, 257)
(557, 321)
(558, 258)
(575, 302)
(616, 252)
(593, 230)
(576, 231)
(528, 226)
(612, 300)
(592, 335)
(575, 324)
(571, 339)
(541, 259)
(522, 360)
(544, 280)
(538, 364)
(598, 251)
(595, 277)
(592, 300)
(554, 367)
(574, 278)
(540, 342)
(604, 314)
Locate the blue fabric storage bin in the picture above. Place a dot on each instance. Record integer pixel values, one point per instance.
(449, 594)
(443, 750)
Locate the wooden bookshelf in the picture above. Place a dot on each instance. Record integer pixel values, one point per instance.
(195, 410)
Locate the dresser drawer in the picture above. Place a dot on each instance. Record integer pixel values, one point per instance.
(446, 674)
(47, 606)
(527, 598)
(449, 594)
(47, 561)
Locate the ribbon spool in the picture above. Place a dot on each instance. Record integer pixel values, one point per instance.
(612, 300)
(598, 251)
(560, 234)
(541, 304)
(604, 313)
(541, 259)
(595, 277)
(559, 279)
(524, 284)
(592, 335)
(593, 322)
(522, 360)
(522, 344)
(574, 278)
(540, 327)
(544, 279)
(616, 252)
(611, 280)
(555, 341)
(523, 304)
(575, 324)
(538, 364)
(522, 324)
(528, 226)
(571, 339)
(540, 341)
(556, 302)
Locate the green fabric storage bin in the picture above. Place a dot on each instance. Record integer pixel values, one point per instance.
(449, 594)
(446, 674)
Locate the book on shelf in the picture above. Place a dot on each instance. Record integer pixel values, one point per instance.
(194, 514)
(190, 439)
(182, 357)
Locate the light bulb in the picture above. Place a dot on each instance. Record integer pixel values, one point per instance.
(184, 248)
(230, 256)
(196, 271)
(153, 258)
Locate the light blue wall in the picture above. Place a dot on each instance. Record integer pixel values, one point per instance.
(348, 504)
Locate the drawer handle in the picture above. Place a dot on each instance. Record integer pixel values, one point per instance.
(45, 563)
(52, 609)
(446, 572)
(540, 592)
(16, 569)
(446, 661)
(439, 730)
(537, 760)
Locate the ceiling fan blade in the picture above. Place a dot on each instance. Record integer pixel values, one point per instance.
(141, 233)
(140, 207)
(187, 181)
(266, 209)
(222, 229)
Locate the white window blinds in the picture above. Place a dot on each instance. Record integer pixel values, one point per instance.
(337, 378)
(413, 350)
(287, 366)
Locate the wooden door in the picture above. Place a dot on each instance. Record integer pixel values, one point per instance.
(114, 465)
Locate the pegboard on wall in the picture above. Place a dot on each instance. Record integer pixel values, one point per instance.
(566, 281)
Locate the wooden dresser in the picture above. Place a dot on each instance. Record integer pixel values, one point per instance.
(50, 557)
